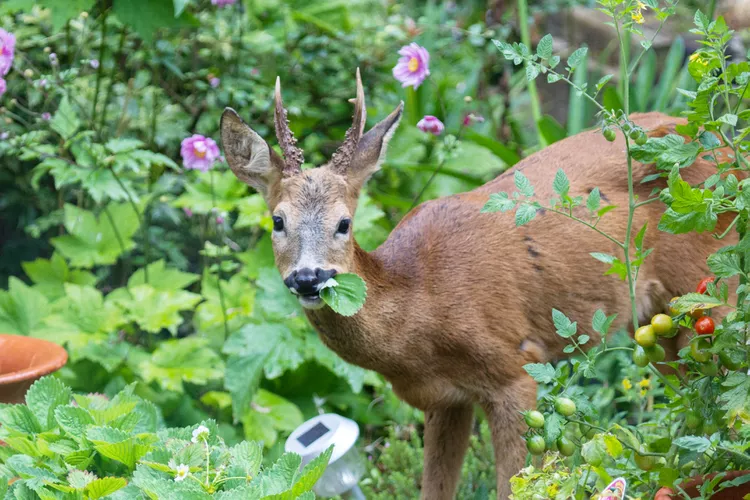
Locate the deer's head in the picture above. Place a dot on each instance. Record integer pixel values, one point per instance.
(312, 209)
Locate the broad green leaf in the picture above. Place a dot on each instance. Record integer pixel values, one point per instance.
(146, 17)
(50, 275)
(724, 264)
(44, 397)
(532, 71)
(105, 486)
(65, 121)
(693, 443)
(22, 308)
(19, 418)
(693, 301)
(269, 414)
(183, 360)
(553, 427)
(601, 322)
(94, 240)
(63, 10)
(163, 278)
(73, 420)
(348, 294)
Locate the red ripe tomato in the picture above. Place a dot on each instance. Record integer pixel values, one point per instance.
(705, 326)
(703, 285)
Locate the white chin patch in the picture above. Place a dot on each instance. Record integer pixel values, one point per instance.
(311, 302)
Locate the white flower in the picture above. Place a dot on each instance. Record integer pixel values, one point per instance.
(200, 434)
(182, 472)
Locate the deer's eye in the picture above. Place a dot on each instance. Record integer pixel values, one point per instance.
(344, 226)
(278, 223)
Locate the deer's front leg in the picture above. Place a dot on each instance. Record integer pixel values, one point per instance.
(507, 427)
(446, 437)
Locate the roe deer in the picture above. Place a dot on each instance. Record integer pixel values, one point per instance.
(458, 300)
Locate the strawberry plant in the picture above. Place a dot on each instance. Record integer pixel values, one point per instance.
(63, 445)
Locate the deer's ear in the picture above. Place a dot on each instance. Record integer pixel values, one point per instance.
(371, 149)
(248, 155)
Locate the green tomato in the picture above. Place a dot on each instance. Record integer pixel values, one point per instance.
(595, 458)
(710, 427)
(655, 353)
(535, 445)
(644, 462)
(698, 350)
(709, 368)
(641, 139)
(565, 407)
(566, 446)
(693, 420)
(645, 336)
(640, 358)
(609, 134)
(732, 358)
(634, 133)
(534, 419)
(662, 324)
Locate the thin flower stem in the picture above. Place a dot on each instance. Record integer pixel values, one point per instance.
(100, 69)
(119, 239)
(218, 272)
(208, 462)
(144, 228)
(103, 120)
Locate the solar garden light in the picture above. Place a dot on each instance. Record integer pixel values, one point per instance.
(346, 466)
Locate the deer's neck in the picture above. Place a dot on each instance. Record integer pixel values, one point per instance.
(366, 339)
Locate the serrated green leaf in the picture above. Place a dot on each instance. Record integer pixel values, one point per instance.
(44, 397)
(577, 57)
(542, 373)
(525, 213)
(561, 184)
(105, 486)
(564, 327)
(65, 121)
(498, 202)
(544, 48)
(347, 296)
(593, 200)
(522, 184)
(693, 443)
(724, 264)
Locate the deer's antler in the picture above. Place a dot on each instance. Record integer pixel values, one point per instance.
(343, 155)
(293, 157)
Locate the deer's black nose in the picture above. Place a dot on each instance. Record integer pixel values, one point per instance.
(306, 281)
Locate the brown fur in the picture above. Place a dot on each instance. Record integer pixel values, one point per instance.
(459, 300)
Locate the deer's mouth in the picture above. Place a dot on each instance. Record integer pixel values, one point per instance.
(311, 301)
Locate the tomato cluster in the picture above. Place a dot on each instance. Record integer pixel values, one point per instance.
(535, 443)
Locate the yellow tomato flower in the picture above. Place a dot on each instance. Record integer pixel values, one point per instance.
(645, 383)
(626, 384)
(637, 17)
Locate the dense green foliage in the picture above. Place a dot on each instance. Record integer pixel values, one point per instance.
(65, 446)
(159, 280)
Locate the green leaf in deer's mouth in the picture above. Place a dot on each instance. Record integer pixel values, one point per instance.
(344, 293)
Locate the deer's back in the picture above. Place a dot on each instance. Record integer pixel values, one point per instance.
(490, 286)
